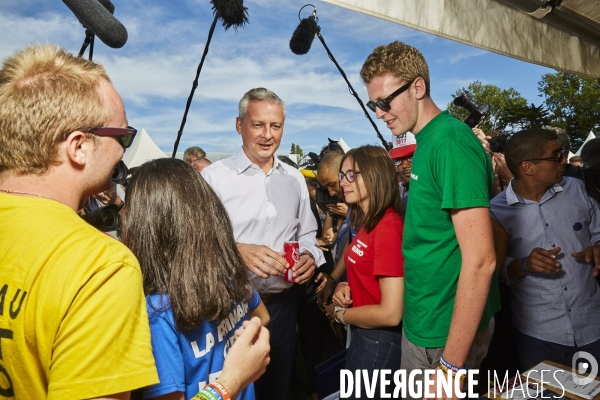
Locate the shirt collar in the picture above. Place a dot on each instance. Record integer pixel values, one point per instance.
(512, 197)
(242, 162)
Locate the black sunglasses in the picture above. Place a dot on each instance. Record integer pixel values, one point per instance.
(384, 104)
(125, 136)
(556, 159)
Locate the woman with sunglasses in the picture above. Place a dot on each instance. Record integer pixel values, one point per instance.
(196, 285)
(371, 301)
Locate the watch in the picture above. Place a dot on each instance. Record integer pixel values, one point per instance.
(308, 253)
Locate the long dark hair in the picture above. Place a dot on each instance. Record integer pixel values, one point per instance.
(378, 172)
(180, 232)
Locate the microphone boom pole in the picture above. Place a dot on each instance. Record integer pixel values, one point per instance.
(194, 84)
(386, 145)
(234, 14)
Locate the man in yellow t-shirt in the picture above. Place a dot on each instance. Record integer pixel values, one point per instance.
(73, 320)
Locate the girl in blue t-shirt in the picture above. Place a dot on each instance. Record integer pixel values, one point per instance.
(197, 289)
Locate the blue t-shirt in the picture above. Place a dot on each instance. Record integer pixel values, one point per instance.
(186, 362)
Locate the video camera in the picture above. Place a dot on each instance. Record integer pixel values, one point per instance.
(312, 163)
(477, 113)
(107, 218)
(498, 144)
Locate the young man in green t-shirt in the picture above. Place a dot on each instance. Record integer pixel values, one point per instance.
(451, 292)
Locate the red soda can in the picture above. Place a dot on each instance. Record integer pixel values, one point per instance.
(292, 255)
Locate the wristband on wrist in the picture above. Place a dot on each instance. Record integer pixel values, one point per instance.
(342, 312)
(523, 266)
(449, 367)
(220, 390)
(335, 313)
(448, 372)
(207, 394)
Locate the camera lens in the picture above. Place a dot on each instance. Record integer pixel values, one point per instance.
(108, 218)
(464, 102)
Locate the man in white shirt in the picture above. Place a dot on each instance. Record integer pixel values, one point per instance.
(268, 204)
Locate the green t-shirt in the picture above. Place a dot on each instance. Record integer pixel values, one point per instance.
(450, 170)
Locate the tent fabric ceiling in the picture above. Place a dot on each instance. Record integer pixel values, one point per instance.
(577, 17)
(567, 39)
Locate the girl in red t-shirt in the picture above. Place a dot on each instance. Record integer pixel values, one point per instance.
(371, 301)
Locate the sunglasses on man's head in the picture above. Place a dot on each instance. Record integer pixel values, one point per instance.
(384, 104)
(125, 136)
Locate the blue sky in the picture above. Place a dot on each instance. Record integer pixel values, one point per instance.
(154, 71)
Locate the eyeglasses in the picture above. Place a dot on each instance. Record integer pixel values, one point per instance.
(398, 161)
(125, 136)
(349, 175)
(556, 159)
(384, 104)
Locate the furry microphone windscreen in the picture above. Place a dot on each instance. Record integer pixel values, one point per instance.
(108, 5)
(232, 12)
(304, 35)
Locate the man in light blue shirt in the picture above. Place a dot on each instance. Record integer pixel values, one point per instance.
(547, 238)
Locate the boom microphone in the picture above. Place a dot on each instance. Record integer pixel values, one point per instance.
(95, 16)
(300, 44)
(232, 12)
(108, 5)
(304, 35)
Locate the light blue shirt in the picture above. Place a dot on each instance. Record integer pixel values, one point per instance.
(563, 307)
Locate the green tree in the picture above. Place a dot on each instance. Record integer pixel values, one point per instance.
(504, 106)
(530, 116)
(573, 103)
(297, 150)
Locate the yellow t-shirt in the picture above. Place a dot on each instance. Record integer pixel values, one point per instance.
(73, 320)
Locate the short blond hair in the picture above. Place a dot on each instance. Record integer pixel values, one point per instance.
(399, 59)
(46, 93)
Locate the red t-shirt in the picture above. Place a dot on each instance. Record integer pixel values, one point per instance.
(373, 255)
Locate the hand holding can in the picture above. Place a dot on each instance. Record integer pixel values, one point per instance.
(292, 256)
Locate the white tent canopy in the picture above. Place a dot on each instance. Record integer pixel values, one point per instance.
(567, 39)
(589, 137)
(143, 149)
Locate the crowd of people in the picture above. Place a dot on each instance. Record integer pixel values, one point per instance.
(198, 300)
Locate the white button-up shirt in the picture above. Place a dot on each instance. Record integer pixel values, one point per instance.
(265, 209)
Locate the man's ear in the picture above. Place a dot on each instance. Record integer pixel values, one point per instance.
(77, 147)
(420, 88)
(238, 125)
(527, 168)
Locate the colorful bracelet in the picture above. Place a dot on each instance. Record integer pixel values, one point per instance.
(449, 366)
(216, 385)
(449, 372)
(523, 266)
(207, 394)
